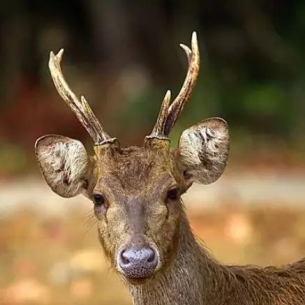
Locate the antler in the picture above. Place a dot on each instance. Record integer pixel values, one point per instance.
(169, 113)
(80, 107)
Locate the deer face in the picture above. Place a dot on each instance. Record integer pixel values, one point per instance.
(135, 191)
(139, 222)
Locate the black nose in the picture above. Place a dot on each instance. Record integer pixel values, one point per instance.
(137, 263)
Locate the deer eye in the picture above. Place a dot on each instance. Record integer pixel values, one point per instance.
(98, 199)
(173, 194)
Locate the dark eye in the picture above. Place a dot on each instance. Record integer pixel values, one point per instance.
(173, 194)
(98, 199)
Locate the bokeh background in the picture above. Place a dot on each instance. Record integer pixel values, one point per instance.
(123, 56)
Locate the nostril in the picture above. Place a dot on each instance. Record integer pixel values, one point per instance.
(124, 260)
(151, 256)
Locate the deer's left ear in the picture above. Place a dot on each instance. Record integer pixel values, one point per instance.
(203, 150)
(64, 164)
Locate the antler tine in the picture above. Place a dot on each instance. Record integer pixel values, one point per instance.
(184, 95)
(80, 107)
(158, 130)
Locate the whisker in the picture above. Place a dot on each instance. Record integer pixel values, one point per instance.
(90, 221)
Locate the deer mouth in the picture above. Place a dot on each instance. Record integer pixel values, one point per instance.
(136, 282)
(139, 277)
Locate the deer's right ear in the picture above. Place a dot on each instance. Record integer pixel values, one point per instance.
(64, 164)
(203, 150)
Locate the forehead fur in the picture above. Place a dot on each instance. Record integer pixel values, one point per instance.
(134, 166)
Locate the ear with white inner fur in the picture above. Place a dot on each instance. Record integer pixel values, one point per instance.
(203, 150)
(64, 164)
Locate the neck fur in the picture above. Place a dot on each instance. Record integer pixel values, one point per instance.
(190, 279)
(194, 278)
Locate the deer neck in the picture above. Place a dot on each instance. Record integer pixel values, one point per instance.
(188, 280)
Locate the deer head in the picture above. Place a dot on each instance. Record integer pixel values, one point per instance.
(136, 191)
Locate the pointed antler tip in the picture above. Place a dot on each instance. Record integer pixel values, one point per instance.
(167, 99)
(194, 41)
(185, 48)
(61, 51)
(194, 35)
(52, 55)
(168, 94)
(187, 51)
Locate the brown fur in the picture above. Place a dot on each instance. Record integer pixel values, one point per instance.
(134, 182)
(188, 274)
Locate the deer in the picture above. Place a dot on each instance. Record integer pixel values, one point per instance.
(136, 192)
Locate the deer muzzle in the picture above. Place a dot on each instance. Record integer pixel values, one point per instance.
(137, 263)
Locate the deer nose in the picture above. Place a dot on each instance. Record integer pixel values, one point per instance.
(138, 263)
